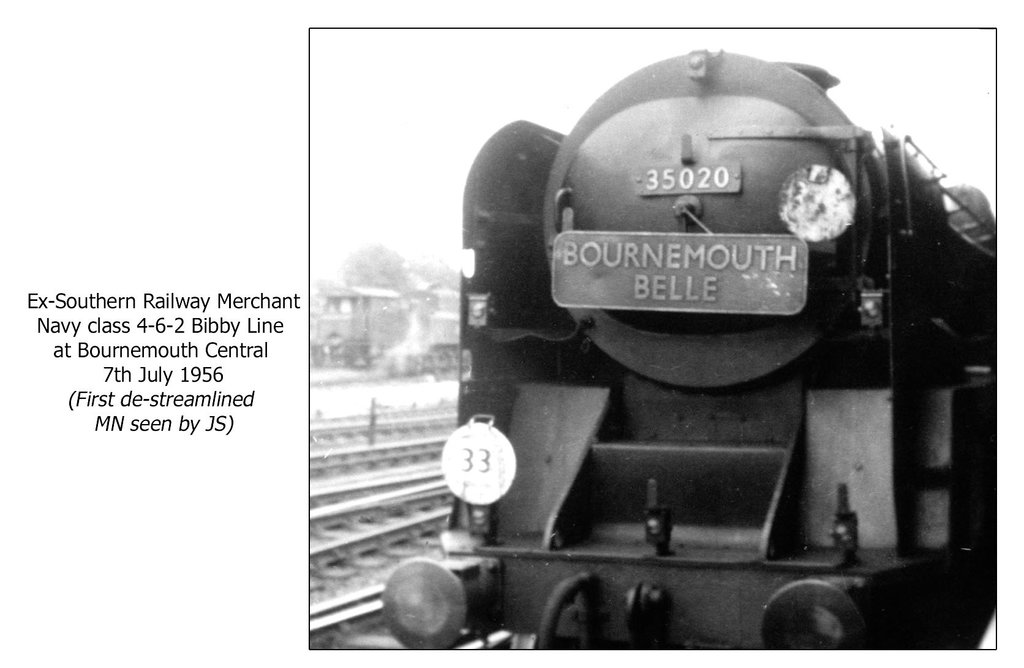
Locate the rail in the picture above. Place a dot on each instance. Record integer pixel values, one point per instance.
(345, 510)
(382, 417)
(378, 422)
(366, 541)
(373, 455)
(347, 486)
(352, 607)
(367, 604)
(496, 640)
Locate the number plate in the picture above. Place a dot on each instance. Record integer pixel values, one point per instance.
(703, 273)
(726, 177)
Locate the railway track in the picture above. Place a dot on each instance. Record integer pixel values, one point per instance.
(347, 544)
(354, 458)
(419, 497)
(357, 606)
(345, 487)
(366, 605)
(376, 492)
(381, 425)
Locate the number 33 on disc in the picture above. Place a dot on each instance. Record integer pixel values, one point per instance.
(478, 463)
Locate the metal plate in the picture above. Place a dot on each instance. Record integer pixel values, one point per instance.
(689, 179)
(762, 274)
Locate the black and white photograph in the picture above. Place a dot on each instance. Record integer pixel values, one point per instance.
(652, 338)
(506, 326)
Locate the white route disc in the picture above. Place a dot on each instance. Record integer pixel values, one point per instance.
(478, 463)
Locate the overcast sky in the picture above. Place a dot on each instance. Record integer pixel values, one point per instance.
(397, 117)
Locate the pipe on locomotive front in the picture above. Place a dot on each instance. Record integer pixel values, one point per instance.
(577, 587)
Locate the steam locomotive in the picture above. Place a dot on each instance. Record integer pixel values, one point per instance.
(408, 334)
(744, 355)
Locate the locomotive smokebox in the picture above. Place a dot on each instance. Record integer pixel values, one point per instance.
(716, 200)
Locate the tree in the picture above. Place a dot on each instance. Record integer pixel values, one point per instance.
(434, 271)
(375, 266)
